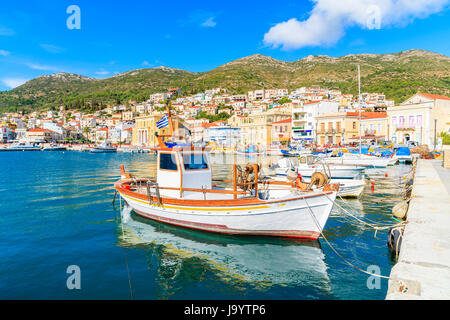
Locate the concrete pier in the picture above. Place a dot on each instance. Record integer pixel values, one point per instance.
(423, 266)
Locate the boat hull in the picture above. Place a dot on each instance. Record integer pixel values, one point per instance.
(336, 173)
(291, 218)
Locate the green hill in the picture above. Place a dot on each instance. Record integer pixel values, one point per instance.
(397, 75)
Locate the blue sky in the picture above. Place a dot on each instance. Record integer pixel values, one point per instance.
(118, 36)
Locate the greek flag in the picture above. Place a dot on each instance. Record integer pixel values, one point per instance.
(164, 122)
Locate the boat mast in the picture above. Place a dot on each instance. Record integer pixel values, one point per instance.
(169, 114)
(359, 108)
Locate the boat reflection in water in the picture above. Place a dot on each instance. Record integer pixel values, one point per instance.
(259, 262)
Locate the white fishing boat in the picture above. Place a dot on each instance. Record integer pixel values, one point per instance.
(308, 165)
(362, 160)
(23, 146)
(348, 188)
(102, 148)
(183, 194)
(54, 147)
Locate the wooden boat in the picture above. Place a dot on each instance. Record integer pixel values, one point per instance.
(183, 194)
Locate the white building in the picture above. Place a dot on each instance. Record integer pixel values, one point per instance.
(304, 124)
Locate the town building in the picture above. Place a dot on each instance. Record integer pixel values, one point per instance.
(421, 118)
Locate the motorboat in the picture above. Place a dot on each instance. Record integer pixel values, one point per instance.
(102, 148)
(307, 165)
(403, 155)
(183, 195)
(54, 147)
(23, 146)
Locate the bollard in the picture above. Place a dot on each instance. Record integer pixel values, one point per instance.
(372, 186)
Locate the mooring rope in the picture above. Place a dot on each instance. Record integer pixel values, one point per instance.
(124, 250)
(337, 253)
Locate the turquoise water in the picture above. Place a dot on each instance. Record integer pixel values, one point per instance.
(56, 210)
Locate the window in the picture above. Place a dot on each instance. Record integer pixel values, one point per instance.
(419, 120)
(394, 122)
(167, 161)
(194, 161)
(411, 123)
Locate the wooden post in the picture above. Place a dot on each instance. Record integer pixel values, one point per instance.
(234, 182)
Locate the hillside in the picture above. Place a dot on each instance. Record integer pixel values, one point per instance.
(398, 75)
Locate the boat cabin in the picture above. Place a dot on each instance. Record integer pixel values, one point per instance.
(183, 169)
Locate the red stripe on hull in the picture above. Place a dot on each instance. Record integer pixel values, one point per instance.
(308, 235)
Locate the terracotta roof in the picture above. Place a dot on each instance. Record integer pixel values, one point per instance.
(368, 115)
(283, 121)
(433, 96)
(37, 130)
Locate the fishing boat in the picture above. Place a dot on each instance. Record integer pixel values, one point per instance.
(403, 155)
(250, 151)
(102, 148)
(308, 165)
(183, 194)
(54, 147)
(348, 188)
(361, 159)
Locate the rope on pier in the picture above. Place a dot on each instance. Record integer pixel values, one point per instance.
(372, 224)
(337, 253)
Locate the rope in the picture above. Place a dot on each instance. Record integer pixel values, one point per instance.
(124, 250)
(337, 253)
(382, 227)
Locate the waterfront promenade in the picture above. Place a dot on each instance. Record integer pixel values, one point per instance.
(424, 261)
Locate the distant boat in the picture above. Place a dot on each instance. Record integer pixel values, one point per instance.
(23, 146)
(308, 165)
(54, 147)
(403, 154)
(103, 148)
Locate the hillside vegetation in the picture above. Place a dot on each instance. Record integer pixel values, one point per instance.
(397, 75)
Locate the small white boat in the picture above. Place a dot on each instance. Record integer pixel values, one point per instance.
(54, 147)
(23, 146)
(102, 148)
(348, 188)
(361, 159)
(307, 165)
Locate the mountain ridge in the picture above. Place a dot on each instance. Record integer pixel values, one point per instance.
(396, 74)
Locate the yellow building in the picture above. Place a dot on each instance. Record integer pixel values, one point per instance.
(420, 118)
(347, 127)
(145, 128)
(256, 129)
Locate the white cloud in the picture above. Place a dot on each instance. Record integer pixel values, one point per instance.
(52, 48)
(42, 67)
(102, 73)
(4, 53)
(147, 64)
(328, 20)
(209, 22)
(13, 82)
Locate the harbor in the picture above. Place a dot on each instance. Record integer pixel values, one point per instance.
(72, 221)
